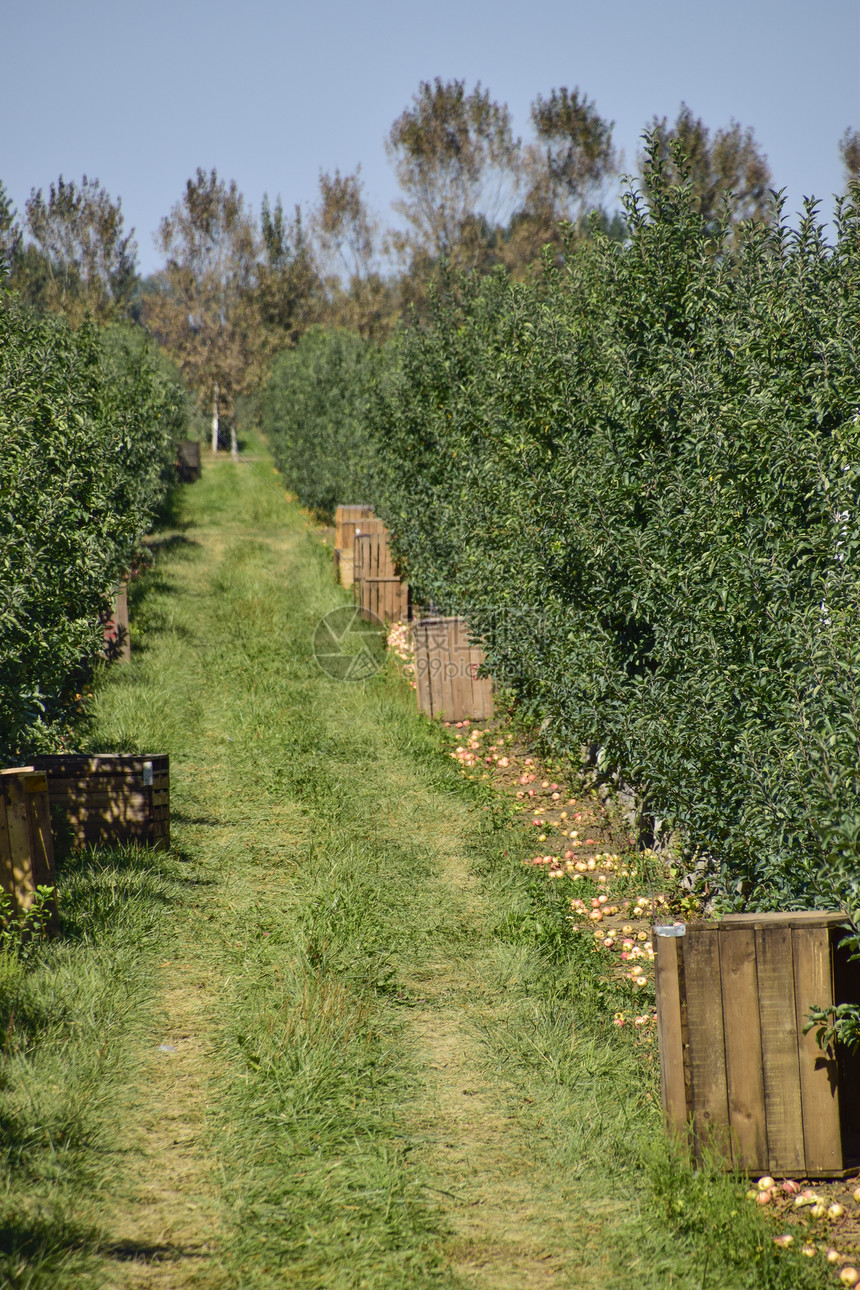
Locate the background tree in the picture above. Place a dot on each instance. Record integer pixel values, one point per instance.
(573, 155)
(288, 292)
(78, 259)
(564, 169)
(455, 158)
(849, 147)
(204, 312)
(346, 237)
(727, 161)
(10, 230)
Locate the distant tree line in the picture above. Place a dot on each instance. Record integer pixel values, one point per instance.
(237, 287)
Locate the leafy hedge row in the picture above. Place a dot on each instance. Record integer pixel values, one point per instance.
(88, 425)
(639, 478)
(313, 414)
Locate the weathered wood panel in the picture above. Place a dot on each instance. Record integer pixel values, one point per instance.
(446, 671)
(759, 1092)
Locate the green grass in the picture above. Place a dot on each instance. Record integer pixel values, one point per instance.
(338, 893)
(70, 1020)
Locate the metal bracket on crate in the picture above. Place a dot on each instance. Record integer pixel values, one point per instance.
(675, 929)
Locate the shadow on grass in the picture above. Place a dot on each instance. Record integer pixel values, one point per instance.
(42, 1250)
(210, 821)
(171, 543)
(148, 1252)
(172, 514)
(104, 890)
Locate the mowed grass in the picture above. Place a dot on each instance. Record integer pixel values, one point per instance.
(330, 865)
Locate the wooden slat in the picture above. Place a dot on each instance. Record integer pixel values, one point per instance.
(436, 664)
(82, 765)
(475, 688)
(701, 954)
(98, 786)
(446, 671)
(461, 683)
(422, 664)
(361, 555)
(81, 800)
(668, 965)
(742, 1034)
(44, 873)
(819, 1075)
(790, 918)
(778, 1017)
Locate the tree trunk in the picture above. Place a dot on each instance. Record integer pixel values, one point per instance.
(216, 420)
(234, 442)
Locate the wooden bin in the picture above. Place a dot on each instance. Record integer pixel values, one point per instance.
(109, 797)
(446, 671)
(347, 520)
(26, 845)
(379, 590)
(188, 461)
(736, 1068)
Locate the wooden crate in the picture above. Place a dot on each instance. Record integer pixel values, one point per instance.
(737, 1072)
(379, 590)
(116, 628)
(446, 671)
(109, 797)
(188, 461)
(26, 844)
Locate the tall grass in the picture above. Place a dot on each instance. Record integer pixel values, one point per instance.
(69, 1021)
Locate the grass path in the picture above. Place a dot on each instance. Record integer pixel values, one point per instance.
(359, 1048)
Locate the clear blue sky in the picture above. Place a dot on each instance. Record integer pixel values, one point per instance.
(140, 95)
